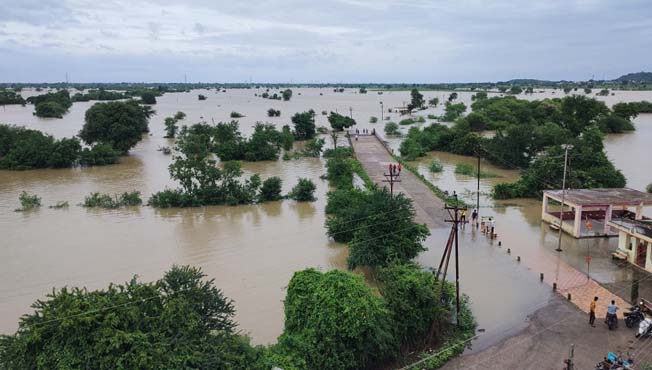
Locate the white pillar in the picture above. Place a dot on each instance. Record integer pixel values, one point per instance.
(632, 255)
(577, 226)
(607, 218)
(544, 206)
(639, 211)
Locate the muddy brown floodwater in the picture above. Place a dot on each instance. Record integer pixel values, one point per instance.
(252, 251)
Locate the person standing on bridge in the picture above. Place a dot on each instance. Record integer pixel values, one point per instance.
(592, 311)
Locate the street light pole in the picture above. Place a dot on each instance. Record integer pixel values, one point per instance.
(563, 195)
(382, 110)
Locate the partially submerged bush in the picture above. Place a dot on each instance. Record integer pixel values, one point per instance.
(271, 189)
(391, 128)
(303, 191)
(111, 202)
(435, 166)
(28, 201)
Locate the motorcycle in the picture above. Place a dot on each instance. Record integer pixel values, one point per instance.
(634, 316)
(644, 328)
(612, 321)
(615, 362)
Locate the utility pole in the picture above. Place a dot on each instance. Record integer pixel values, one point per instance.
(392, 177)
(382, 111)
(563, 195)
(453, 240)
(351, 112)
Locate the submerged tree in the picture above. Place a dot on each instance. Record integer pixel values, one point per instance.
(119, 124)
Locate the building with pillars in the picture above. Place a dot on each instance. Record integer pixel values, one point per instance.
(588, 212)
(635, 240)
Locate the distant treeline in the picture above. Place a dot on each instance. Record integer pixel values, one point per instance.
(632, 81)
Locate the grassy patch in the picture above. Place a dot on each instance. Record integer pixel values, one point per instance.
(28, 202)
(470, 170)
(435, 166)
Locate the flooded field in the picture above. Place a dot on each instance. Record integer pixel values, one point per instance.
(252, 251)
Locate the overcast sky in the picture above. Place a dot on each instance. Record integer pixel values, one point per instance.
(322, 40)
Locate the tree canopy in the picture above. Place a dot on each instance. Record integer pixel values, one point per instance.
(181, 321)
(53, 105)
(340, 122)
(304, 125)
(119, 124)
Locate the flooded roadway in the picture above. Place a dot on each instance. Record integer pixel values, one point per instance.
(252, 251)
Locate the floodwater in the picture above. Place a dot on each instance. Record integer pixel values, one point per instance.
(252, 251)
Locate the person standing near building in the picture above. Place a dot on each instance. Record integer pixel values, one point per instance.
(592, 311)
(492, 224)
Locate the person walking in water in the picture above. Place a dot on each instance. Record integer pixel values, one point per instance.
(492, 224)
(592, 311)
(463, 216)
(474, 217)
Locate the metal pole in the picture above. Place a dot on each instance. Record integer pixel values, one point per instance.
(382, 111)
(563, 198)
(457, 264)
(477, 200)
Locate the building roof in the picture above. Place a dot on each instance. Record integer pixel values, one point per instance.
(642, 227)
(616, 197)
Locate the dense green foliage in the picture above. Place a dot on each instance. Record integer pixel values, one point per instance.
(453, 111)
(304, 125)
(303, 191)
(181, 321)
(127, 199)
(53, 105)
(528, 136)
(287, 138)
(24, 149)
(416, 100)
(99, 94)
(11, 97)
(119, 124)
(339, 122)
(435, 166)
(371, 211)
(236, 115)
(271, 112)
(271, 189)
(391, 128)
(99, 155)
(337, 320)
(287, 94)
(373, 119)
(28, 201)
(225, 140)
(340, 168)
(314, 147)
(148, 97)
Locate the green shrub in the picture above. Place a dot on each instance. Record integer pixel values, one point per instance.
(97, 200)
(334, 321)
(99, 155)
(271, 189)
(435, 166)
(421, 119)
(314, 147)
(373, 119)
(432, 116)
(179, 116)
(28, 201)
(406, 121)
(236, 115)
(303, 191)
(648, 188)
(391, 128)
(465, 169)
